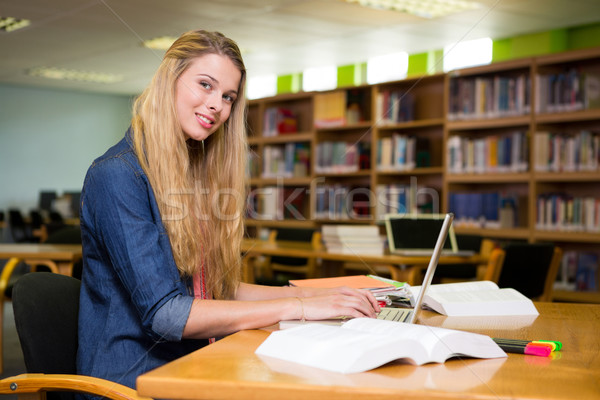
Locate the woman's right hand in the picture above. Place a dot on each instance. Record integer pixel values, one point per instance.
(337, 302)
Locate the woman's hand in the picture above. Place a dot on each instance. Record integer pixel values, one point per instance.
(343, 301)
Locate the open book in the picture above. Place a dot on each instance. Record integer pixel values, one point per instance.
(362, 344)
(482, 298)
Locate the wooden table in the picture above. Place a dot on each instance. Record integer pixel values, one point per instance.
(58, 257)
(229, 368)
(402, 268)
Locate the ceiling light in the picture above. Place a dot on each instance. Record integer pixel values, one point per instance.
(160, 43)
(74, 75)
(9, 24)
(421, 8)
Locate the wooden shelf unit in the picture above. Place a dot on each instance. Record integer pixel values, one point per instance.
(430, 116)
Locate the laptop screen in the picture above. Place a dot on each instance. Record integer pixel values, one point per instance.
(408, 232)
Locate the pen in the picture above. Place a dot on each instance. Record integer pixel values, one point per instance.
(556, 345)
(529, 349)
(541, 348)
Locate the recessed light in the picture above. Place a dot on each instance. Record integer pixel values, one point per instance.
(75, 75)
(9, 24)
(420, 8)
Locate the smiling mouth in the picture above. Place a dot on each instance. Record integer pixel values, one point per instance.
(204, 120)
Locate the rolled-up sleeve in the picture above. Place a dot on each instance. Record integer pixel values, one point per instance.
(171, 318)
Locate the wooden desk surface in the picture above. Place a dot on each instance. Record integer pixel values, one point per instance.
(60, 258)
(229, 368)
(305, 250)
(57, 252)
(395, 263)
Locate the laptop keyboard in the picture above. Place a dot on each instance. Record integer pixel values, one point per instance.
(395, 314)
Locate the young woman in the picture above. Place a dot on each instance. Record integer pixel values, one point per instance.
(161, 217)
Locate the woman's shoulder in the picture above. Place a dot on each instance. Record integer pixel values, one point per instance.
(121, 156)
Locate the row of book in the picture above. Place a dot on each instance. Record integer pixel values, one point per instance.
(489, 97)
(394, 106)
(492, 209)
(496, 153)
(276, 203)
(569, 90)
(578, 271)
(564, 212)
(339, 108)
(557, 152)
(278, 121)
(353, 239)
(342, 157)
(402, 152)
(401, 199)
(342, 202)
(288, 160)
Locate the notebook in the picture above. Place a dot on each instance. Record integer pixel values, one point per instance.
(414, 235)
(411, 315)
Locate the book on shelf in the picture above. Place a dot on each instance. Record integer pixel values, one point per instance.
(494, 153)
(564, 212)
(329, 109)
(561, 152)
(342, 202)
(394, 106)
(399, 152)
(275, 203)
(254, 164)
(279, 120)
(362, 344)
(489, 97)
(337, 157)
(494, 209)
(288, 160)
(353, 239)
(578, 271)
(480, 298)
(396, 199)
(572, 89)
(591, 88)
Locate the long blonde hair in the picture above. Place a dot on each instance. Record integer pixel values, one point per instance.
(199, 186)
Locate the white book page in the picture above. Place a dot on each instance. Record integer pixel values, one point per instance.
(336, 349)
(362, 344)
(481, 303)
(456, 287)
(493, 296)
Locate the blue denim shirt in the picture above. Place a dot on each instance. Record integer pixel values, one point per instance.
(129, 275)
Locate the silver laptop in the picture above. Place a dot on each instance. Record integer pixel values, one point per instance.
(414, 235)
(411, 315)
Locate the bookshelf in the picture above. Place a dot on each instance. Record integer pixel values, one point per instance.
(559, 123)
(428, 143)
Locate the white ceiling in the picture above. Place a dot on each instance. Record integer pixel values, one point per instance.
(277, 36)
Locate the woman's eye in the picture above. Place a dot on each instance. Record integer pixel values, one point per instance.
(228, 98)
(205, 85)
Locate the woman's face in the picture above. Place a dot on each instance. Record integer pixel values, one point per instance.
(205, 93)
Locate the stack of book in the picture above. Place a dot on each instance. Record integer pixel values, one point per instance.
(353, 239)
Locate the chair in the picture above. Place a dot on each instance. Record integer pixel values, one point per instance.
(462, 272)
(530, 268)
(46, 307)
(19, 229)
(293, 265)
(68, 235)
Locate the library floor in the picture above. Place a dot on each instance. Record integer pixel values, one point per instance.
(13, 357)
